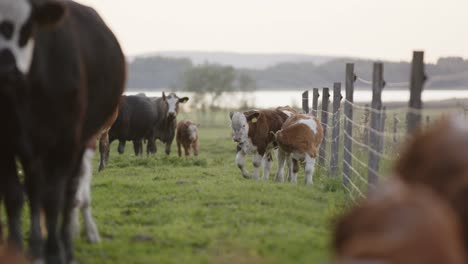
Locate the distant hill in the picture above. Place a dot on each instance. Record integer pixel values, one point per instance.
(242, 60)
(275, 72)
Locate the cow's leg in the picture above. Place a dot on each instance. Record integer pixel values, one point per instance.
(54, 195)
(151, 147)
(257, 161)
(69, 204)
(83, 198)
(240, 161)
(289, 167)
(295, 170)
(13, 199)
(121, 148)
(281, 162)
(103, 150)
(168, 147)
(187, 150)
(33, 171)
(195, 147)
(138, 147)
(179, 149)
(267, 163)
(309, 169)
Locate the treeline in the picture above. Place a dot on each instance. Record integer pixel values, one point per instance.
(156, 73)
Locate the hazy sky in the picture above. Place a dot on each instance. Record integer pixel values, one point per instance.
(364, 28)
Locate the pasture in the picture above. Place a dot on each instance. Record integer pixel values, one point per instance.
(162, 209)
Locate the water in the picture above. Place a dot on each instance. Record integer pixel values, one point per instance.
(265, 99)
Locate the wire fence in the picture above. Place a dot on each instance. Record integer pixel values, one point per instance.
(370, 135)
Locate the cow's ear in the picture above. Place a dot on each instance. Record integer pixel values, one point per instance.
(183, 100)
(253, 117)
(164, 96)
(231, 114)
(49, 13)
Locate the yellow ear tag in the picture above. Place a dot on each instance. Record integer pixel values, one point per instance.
(254, 120)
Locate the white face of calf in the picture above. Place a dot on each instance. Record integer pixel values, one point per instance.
(173, 104)
(240, 127)
(18, 21)
(193, 131)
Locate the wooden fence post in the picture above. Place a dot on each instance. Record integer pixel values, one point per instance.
(374, 139)
(428, 121)
(335, 143)
(305, 102)
(395, 127)
(324, 121)
(365, 136)
(382, 128)
(316, 96)
(348, 126)
(418, 78)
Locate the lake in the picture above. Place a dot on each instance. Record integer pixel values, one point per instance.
(264, 99)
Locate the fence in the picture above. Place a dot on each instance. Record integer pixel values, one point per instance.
(369, 134)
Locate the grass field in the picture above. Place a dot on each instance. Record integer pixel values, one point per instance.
(162, 209)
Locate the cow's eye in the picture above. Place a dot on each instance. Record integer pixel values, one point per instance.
(6, 29)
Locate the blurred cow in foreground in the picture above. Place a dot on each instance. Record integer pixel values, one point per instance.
(252, 130)
(187, 137)
(62, 72)
(438, 159)
(399, 225)
(421, 215)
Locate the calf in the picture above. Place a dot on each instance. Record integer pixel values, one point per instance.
(437, 158)
(164, 126)
(187, 137)
(57, 89)
(299, 140)
(399, 224)
(251, 130)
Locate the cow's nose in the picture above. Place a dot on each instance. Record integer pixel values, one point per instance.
(236, 139)
(7, 63)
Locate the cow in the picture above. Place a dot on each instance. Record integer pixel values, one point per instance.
(134, 122)
(251, 131)
(401, 224)
(437, 158)
(57, 88)
(299, 140)
(164, 128)
(187, 137)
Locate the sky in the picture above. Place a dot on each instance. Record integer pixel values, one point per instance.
(375, 29)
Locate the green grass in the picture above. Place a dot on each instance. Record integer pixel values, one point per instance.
(162, 209)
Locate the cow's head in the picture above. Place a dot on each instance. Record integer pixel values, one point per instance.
(193, 131)
(172, 101)
(240, 124)
(19, 21)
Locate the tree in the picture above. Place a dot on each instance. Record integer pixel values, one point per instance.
(209, 79)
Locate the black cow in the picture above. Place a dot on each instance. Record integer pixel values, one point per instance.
(166, 108)
(134, 122)
(61, 76)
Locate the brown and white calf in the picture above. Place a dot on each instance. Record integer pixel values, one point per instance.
(187, 137)
(299, 140)
(252, 131)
